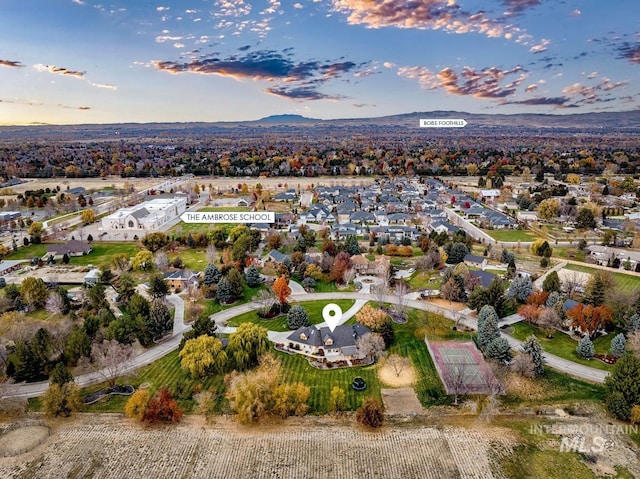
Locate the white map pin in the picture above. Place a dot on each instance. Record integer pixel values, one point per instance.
(332, 314)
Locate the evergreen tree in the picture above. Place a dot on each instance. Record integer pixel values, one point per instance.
(499, 350)
(236, 281)
(520, 288)
(633, 323)
(533, 348)
(351, 245)
(224, 293)
(618, 346)
(551, 282)
(554, 298)
(60, 375)
(623, 386)
(487, 326)
(457, 253)
(252, 276)
(297, 317)
(158, 287)
(585, 347)
(159, 322)
(212, 275)
(594, 294)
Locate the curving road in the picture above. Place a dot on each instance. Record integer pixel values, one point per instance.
(156, 352)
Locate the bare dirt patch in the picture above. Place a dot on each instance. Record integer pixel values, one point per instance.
(22, 440)
(401, 401)
(443, 303)
(388, 376)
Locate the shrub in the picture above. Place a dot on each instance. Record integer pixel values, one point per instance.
(136, 405)
(371, 413)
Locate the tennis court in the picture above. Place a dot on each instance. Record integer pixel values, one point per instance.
(461, 367)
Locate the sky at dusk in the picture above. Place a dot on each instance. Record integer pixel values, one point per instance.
(83, 61)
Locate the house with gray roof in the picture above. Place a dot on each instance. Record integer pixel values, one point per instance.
(326, 345)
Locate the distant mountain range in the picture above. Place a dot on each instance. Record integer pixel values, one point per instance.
(626, 122)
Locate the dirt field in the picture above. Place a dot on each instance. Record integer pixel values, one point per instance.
(401, 401)
(448, 304)
(110, 446)
(388, 376)
(142, 183)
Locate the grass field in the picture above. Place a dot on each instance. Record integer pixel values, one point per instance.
(562, 345)
(625, 282)
(101, 254)
(423, 280)
(511, 235)
(313, 308)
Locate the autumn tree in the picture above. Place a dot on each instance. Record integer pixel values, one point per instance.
(282, 290)
(202, 356)
(33, 292)
(377, 321)
(162, 408)
(590, 319)
(155, 241)
(136, 405)
(88, 216)
(371, 413)
(62, 400)
(548, 209)
(142, 260)
(337, 399)
(397, 363)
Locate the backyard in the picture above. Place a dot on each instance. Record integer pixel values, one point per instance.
(511, 236)
(626, 282)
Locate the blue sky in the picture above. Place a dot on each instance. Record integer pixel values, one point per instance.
(84, 61)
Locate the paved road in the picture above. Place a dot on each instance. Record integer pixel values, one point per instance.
(147, 357)
(560, 364)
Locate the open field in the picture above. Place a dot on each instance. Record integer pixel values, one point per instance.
(111, 182)
(110, 446)
(511, 235)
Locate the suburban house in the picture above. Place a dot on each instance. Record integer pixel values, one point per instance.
(475, 261)
(485, 278)
(148, 216)
(327, 346)
(275, 256)
(181, 278)
(364, 267)
(70, 248)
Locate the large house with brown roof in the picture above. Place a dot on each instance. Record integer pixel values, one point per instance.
(365, 267)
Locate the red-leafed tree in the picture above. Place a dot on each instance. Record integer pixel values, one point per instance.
(162, 408)
(590, 319)
(529, 312)
(340, 265)
(538, 298)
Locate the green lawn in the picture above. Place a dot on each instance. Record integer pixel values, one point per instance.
(511, 235)
(101, 254)
(568, 252)
(625, 282)
(424, 280)
(192, 258)
(563, 346)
